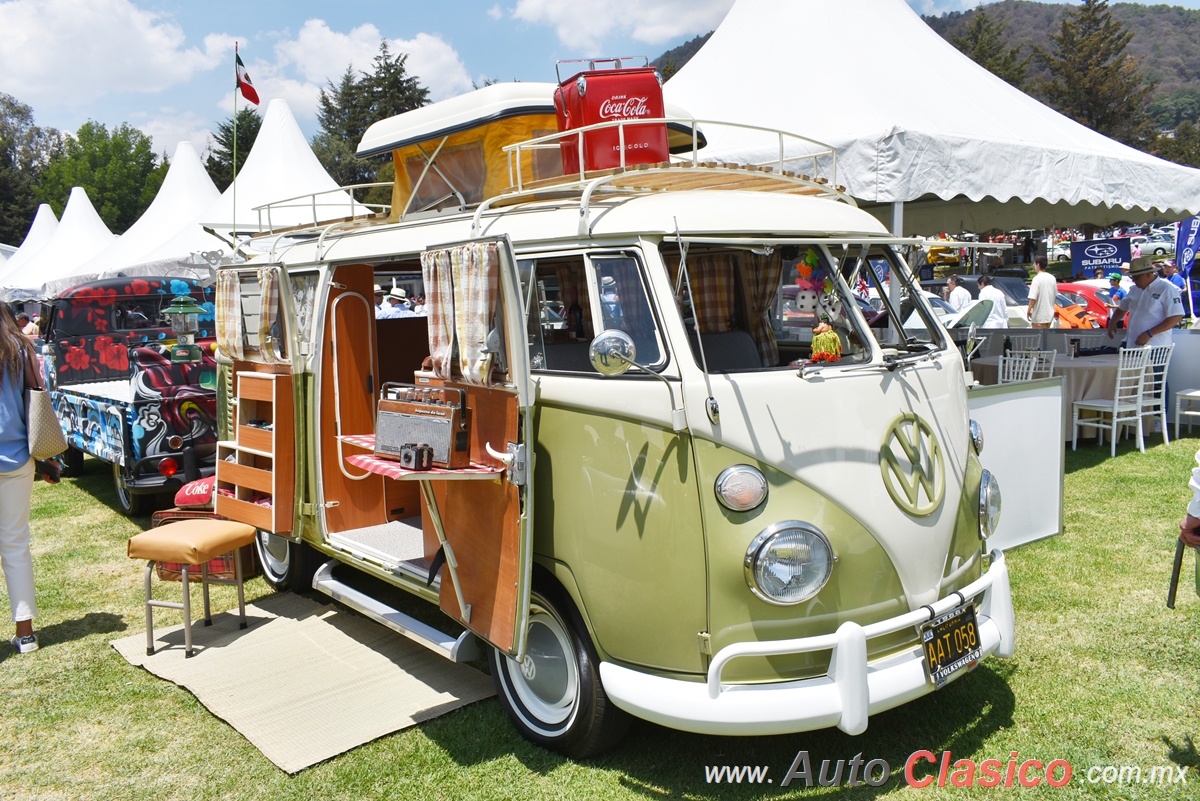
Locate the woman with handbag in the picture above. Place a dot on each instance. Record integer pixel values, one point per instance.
(17, 374)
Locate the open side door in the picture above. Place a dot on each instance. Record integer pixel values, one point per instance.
(484, 528)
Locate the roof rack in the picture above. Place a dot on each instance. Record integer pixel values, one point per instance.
(681, 173)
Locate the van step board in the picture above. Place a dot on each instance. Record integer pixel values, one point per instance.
(464, 648)
(396, 541)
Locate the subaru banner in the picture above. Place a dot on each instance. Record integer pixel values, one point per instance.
(1105, 254)
(1187, 237)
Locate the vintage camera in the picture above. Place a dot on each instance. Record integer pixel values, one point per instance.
(416, 456)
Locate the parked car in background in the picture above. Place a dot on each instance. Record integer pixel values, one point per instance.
(1154, 245)
(1069, 314)
(1059, 252)
(1093, 299)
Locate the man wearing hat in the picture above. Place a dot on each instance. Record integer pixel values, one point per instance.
(1154, 307)
(380, 301)
(396, 305)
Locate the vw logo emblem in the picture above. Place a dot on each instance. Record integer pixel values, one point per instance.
(1101, 251)
(914, 469)
(528, 669)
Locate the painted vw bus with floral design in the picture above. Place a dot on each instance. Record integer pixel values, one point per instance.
(118, 396)
(609, 453)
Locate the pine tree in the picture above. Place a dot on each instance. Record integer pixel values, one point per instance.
(220, 151)
(1182, 147)
(1093, 80)
(25, 151)
(346, 109)
(984, 44)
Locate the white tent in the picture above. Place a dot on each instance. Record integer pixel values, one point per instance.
(41, 231)
(186, 191)
(80, 235)
(280, 166)
(914, 121)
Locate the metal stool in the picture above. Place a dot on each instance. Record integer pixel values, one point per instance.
(1188, 396)
(191, 543)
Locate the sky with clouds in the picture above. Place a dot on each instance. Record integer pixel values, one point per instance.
(166, 66)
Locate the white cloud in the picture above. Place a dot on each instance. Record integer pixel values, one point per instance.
(495, 12)
(585, 26)
(169, 126)
(320, 55)
(60, 52)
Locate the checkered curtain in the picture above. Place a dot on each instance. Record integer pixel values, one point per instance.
(635, 315)
(761, 276)
(439, 307)
(268, 279)
(229, 315)
(712, 278)
(476, 270)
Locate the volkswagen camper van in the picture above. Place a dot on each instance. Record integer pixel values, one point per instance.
(682, 504)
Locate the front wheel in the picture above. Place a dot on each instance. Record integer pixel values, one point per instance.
(286, 565)
(554, 696)
(1159, 251)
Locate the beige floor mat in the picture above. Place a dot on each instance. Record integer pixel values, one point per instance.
(307, 681)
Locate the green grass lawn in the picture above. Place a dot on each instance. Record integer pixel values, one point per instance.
(1104, 675)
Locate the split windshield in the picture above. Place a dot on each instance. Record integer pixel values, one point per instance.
(755, 308)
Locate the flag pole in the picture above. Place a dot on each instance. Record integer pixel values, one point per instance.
(236, 91)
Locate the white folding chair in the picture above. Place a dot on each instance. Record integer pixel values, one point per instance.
(1154, 389)
(1043, 362)
(1184, 399)
(1016, 368)
(1124, 408)
(1025, 341)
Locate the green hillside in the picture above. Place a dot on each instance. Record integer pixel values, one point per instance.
(1166, 38)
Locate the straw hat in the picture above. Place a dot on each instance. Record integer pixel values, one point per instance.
(1140, 266)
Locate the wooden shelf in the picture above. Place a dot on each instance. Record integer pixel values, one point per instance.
(390, 468)
(258, 467)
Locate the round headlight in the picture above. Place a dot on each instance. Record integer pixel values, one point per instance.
(989, 505)
(788, 563)
(977, 437)
(741, 488)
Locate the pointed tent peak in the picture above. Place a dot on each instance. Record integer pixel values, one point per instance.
(186, 191)
(41, 232)
(81, 234)
(281, 165)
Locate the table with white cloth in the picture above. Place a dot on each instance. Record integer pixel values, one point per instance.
(1084, 378)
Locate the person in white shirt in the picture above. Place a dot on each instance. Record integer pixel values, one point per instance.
(959, 297)
(998, 316)
(396, 307)
(1043, 291)
(1154, 307)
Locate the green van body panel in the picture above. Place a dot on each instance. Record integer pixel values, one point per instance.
(863, 587)
(623, 496)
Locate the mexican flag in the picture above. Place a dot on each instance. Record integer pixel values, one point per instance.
(243, 81)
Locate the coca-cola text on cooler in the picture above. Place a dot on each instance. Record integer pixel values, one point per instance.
(621, 107)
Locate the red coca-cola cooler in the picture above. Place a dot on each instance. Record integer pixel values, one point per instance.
(593, 96)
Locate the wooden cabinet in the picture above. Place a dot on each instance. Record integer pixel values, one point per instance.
(259, 465)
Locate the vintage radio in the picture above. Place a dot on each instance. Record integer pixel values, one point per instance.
(608, 95)
(412, 416)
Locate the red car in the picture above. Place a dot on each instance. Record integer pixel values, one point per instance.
(1093, 299)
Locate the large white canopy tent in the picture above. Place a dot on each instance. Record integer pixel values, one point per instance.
(80, 235)
(280, 166)
(41, 231)
(917, 125)
(186, 191)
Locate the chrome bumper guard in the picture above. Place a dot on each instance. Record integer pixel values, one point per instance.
(852, 690)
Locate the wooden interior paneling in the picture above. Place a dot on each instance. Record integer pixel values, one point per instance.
(359, 503)
(481, 520)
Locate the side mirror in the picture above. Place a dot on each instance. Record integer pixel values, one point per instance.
(612, 352)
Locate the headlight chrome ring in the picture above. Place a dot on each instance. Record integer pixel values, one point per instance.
(977, 437)
(989, 505)
(741, 488)
(788, 563)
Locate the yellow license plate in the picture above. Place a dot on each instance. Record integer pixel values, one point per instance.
(951, 643)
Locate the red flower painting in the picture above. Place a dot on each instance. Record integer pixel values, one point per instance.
(78, 358)
(112, 355)
(140, 287)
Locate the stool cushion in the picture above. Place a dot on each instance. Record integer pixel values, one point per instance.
(190, 541)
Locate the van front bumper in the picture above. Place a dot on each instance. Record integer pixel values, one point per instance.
(845, 697)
